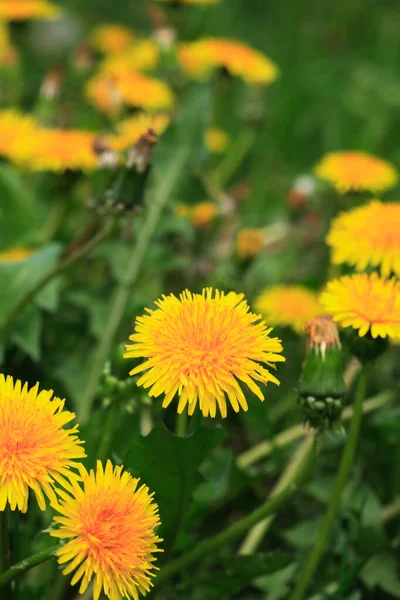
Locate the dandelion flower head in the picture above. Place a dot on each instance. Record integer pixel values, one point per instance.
(365, 302)
(111, 521)
(35, 449)
(288, 305)
(249, 242)
(203, 213)
(111, 38)
(130, 130)
(202, 347)
(21, 10)
(356, 172)
(368, 235)
(217, 140)
(15, 128)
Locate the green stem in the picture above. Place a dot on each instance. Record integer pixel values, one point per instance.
(263, 449)
(20, 568)
(346, 462)
(145, 235)
(55, 272)
(228, 535)
(108, 432)
(5, 551)
(234, 157)
(181, 424)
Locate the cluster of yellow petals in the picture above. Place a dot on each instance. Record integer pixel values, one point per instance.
(356, 171)
(142, 56)
(110, 520)
(36, 452)
(111, 38)
(130, 130)
(21, 10)
(201, 347)
(201, 214)
(14, 127)
(216, 140)
(368, 235)
(249, 242)
(200, 57)
(365, 302)
(13, 255)
(288, 305)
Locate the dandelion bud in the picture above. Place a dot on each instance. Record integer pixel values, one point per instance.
(321, 386)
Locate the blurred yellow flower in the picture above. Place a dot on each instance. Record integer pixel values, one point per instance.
(108, 92)
(35, 449)
(57, 150)
(200, 57)
(288, 305)
(356, 171)
(249, 242)
(205, 2)
(129, 131)
(15, 128)
(183, 210)
(111, 39)
(203, 213)
(111, 520)
(216, 140)
(21, 10)
(368, 235)
(15, 255)
(365, 302)
(199, 347)
(141, 56)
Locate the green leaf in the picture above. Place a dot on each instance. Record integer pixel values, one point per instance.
(382, 571)
(26, 331)
(169, 466)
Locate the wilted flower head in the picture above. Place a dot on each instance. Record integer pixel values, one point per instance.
(368, 235)
(111, 38)
(216, 140)
(288, 305)
(366, 303)
(356, 171)
(35, 449)
(200, 57)
(22, 10)
(322, 335)
(111, 520)
(249, 242)
(201, 347)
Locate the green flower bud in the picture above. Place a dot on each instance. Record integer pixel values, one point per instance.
(364, 348)
(321, 386)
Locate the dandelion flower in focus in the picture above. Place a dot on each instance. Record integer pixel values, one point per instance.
(35, 449)
(13, 255)
(249, 242)
(356, 171)
(365, 302)
(21, 10)
(216, 140)
(288, 305)
(111, 521)
(368, 235)
(111, 39)
(200, 57)
(203, 213)
(129, 131)
(202, 347)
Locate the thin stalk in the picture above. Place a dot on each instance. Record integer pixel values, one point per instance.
(346, 463)
(139, 250)
(263, 449)
(5, 551)
(257, 533)
(108, 432)
(231, 533)
(55, 272)
(20, 568)
(181, 424)
(234, 157)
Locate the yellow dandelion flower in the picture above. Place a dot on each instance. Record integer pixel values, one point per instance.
(368, 235)
(111, 39)
(201, 346)
(142, 56)
(216, 140)
(15, 255)
(356, 171)
(15, 128)
(249, 242)
(35, 449)
(108, 92)
(288, 305)
(129, 131)
(21, 10)
(203, 213)
(365, 302)
(57, 150)
(111, 521)
(198, 58)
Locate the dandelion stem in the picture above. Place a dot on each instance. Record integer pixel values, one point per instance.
(5, 552)
(346, 462)
(234, 157)
(145, 235)
(181, 424)
(56, 271)
(231, 533)
(20, 568)
(108, 431)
